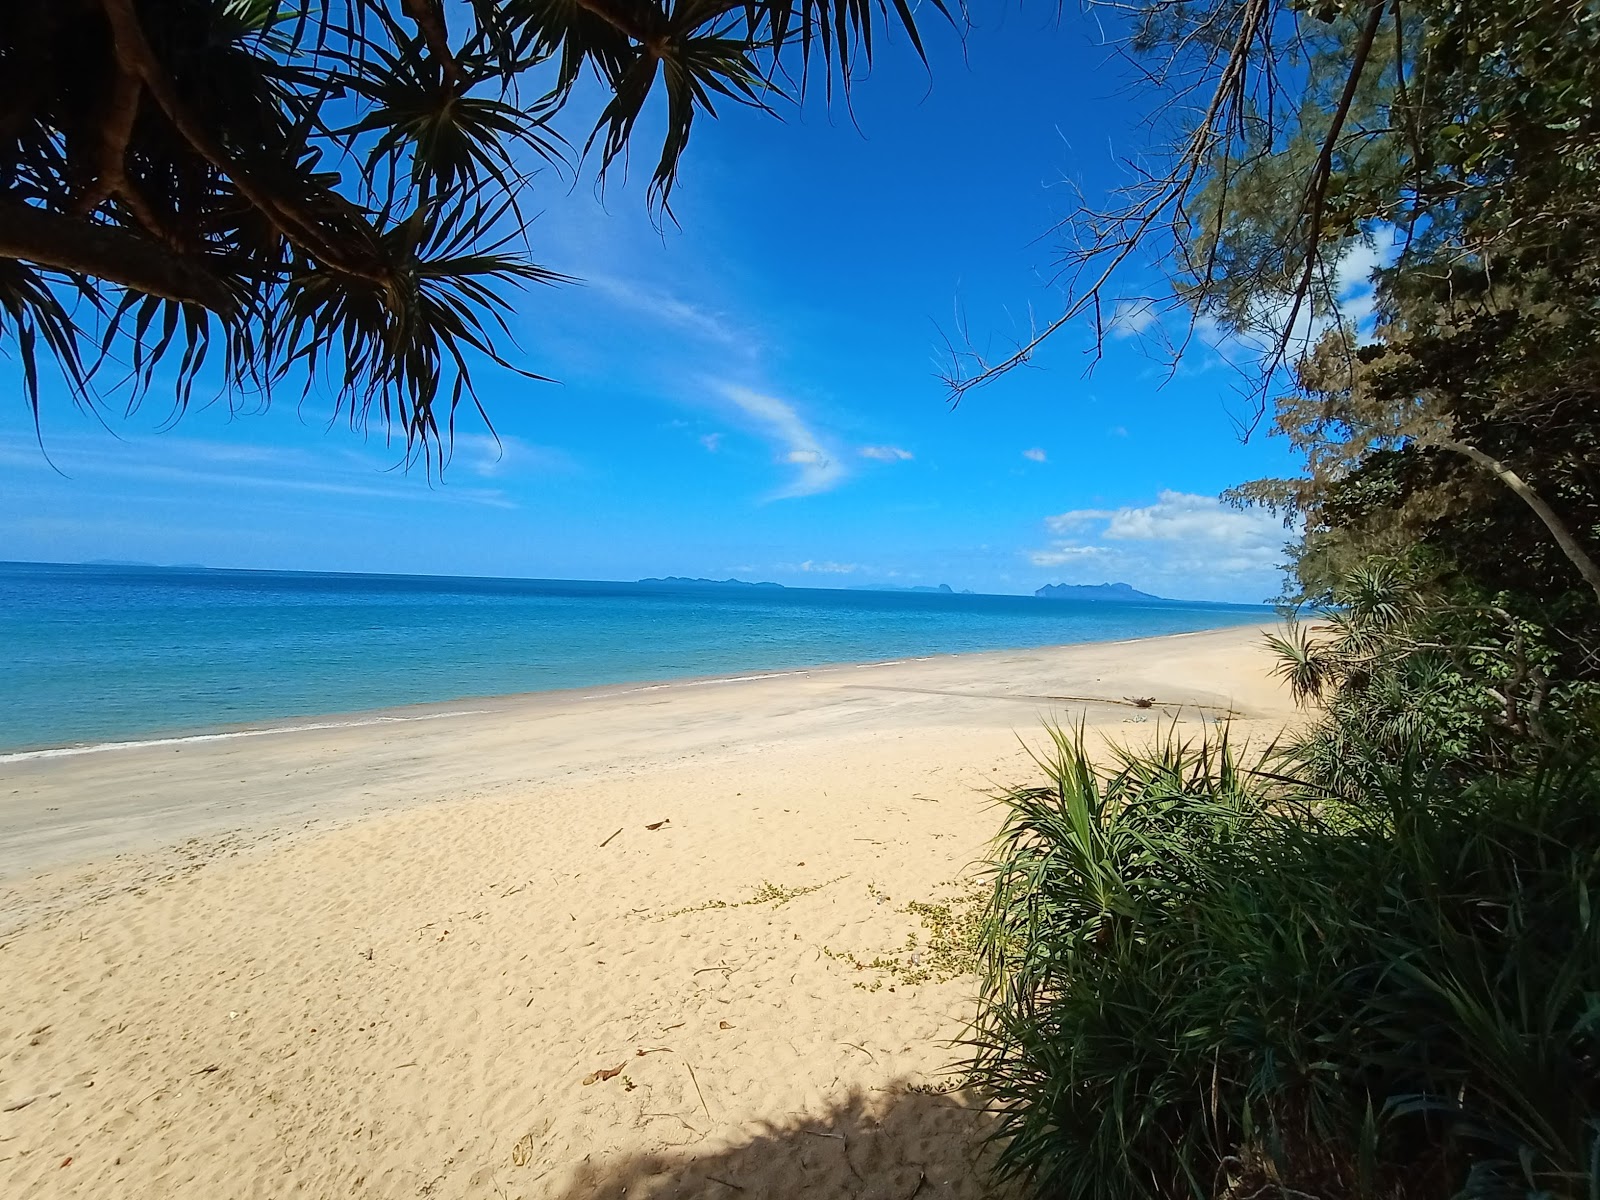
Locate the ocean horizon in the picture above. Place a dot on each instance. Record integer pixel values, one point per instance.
(98, 653)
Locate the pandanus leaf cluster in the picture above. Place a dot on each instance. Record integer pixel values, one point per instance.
(243, 194)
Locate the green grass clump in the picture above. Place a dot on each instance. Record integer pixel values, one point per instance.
(1203, 981)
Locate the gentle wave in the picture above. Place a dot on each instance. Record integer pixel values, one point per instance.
(93, 656)
(310, 726)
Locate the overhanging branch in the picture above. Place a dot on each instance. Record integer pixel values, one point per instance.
(46, 239)
(1576, 554)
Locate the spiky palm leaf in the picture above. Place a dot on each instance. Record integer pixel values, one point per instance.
(1309, 665)
(333, 190)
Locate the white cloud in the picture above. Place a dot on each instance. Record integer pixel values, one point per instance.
(1184, 545)
(1357, 293)
(1064, 553)
(1132, 317)
(711, 441)
(1034, 455)
(799, 446)
(886, 453)
(828, 568)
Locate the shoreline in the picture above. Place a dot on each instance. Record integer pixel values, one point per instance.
(85, 805)
(427, 710)
(655, 941)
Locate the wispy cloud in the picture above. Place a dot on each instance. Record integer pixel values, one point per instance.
(1132, 317)
(1183, 543)
(1035, 455)
(813, 567)
(670, 309)
(799, 445)
(711, 441)
(886, 453)
(485, 456)
(171, 459)
(1064, 553)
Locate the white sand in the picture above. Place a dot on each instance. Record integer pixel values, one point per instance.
(380, 959)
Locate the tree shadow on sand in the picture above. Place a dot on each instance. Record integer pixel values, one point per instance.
(890, 1144)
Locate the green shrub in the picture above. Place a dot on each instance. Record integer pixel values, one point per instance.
(1201, 980)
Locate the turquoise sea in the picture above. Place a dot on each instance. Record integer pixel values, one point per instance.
(92, 653)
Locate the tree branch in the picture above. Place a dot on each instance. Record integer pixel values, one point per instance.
(61, 243)
(428, 16)
(1578, 556)
(300, 228)
(1317, 187)
(652, 35)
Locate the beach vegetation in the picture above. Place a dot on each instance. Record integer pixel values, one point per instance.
(1203, 976)
(1364, 961)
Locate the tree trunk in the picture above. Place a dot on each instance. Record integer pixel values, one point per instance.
(1557, 527)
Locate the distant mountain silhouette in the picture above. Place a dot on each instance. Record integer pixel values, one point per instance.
(684, 580)
(1092, 591)
(943, 589)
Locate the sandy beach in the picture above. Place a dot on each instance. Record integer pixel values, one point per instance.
(607, 942)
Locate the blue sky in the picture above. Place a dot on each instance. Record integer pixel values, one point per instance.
(753, 393)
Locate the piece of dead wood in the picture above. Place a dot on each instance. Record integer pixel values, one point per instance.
(863, 1050)
(698, 1092)
(659, 824)
(606, 843)
(19, 1105)
(603, 1074)
(736, 1187)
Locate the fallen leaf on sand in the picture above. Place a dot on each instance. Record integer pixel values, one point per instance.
(597, 1076)
(723, 1025)
(659, 824)
(522, 1152)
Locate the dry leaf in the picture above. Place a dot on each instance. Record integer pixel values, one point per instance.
(522, 1152)
(659, 824)
(723, 1025)
(597, 1076)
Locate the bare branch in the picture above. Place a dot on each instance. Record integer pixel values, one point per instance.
(1311, 207)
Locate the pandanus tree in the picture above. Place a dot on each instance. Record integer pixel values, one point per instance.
(233, 194)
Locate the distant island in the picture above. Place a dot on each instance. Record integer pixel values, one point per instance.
(943, 589)
(684, 580)
(1092, 591)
